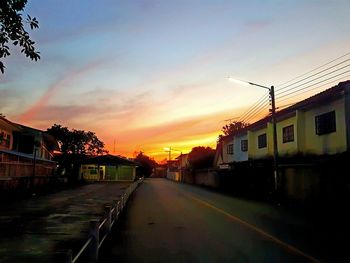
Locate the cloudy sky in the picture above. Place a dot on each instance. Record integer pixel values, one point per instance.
(152, 74)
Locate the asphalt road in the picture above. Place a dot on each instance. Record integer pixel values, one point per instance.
(172, 222)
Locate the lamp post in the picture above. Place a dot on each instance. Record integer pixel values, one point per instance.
(273, 119)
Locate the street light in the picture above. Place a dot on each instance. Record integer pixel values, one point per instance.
(273, 118)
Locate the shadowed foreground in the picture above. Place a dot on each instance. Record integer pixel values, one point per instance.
(170, 222)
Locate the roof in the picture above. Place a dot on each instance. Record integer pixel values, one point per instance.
(108, 159)
(325, 96)
(184, 155)
(50, 141)
(8, 124)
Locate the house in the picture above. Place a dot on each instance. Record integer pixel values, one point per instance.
(173, 170)
(25, 151)
(224, 154)
(240, 146)
(318, 125)
(7, 130)
(108, 168)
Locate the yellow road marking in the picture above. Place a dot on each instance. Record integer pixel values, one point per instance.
(257, 230)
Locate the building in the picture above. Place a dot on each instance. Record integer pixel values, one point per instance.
(224, 154)
(108, 168)
(319, 125)
(25, 152)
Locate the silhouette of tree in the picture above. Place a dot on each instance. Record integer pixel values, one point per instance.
(201, 157)
(12, 30)
(233, 128)
(147, 164)
(77, 142)
(74, 145)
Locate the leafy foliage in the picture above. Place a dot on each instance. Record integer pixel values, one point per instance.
(12, 30)
(78, 142)
(233, 128)
(147, 164)
(74, 145)
(201, 157)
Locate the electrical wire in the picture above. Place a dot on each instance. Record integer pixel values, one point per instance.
(297, 77)
(254, 106)
(314, 75)
(315, 88)
(254, 113)
(324, 75)
(257, 115)
(303, 88)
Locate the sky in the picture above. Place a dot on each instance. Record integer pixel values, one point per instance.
(144, 75)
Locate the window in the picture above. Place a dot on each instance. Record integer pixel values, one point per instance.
(262, 141)
(5, 139)
(230, 149)
(325, 123)
(244, 145)
(288, 134)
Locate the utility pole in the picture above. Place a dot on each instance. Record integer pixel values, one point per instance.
(273, 120)
(275, 148)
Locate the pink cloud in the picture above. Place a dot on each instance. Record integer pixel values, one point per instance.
(53, 89)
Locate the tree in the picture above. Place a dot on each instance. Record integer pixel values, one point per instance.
(78, 142)
(201, 157)
(147, 164)
(233, 128)
(12, 30)
(74, 145)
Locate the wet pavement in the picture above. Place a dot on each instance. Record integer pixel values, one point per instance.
(33, 230)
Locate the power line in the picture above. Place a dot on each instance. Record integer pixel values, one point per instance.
(313, 75)
(282, 92)
(255, 112)
(262, 105)
(303, 88)
(254, 106)
(281, 84)
(256, 115)
(314, 88)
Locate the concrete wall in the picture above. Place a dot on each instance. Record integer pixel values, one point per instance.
(174, 176)
(207, 178)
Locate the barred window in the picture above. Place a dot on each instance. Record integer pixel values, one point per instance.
(244, 145)
(262, 141)
(230, 149)
(288, 134)
(325, 123)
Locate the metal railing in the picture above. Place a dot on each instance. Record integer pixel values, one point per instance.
(98, 231)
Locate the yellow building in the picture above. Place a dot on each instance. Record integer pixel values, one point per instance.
(108, 168)
(318, 125)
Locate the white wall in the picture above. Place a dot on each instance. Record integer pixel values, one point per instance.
(240, 156)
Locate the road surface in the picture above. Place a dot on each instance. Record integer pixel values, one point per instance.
(171, 222)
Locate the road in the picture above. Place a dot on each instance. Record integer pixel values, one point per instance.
(172, 222)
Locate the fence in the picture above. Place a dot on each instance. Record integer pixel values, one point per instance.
(98, 231)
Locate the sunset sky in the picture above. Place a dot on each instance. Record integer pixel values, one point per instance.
(153, 74)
